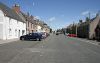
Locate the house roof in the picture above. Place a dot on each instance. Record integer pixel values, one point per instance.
(9, 12)
(30, 19)
(93, 19)
(22, 17)
(27, 18)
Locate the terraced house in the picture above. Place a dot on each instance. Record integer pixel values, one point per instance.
(30, 24)
(35, 25)
(43, 27)
(12, 24)
(15, 23)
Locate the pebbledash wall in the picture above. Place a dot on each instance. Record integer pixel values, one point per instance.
(11, 28)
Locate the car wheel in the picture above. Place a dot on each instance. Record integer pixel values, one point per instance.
(39, 39)
(23, 38)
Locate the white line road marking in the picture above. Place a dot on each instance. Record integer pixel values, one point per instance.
(35, 51)
(41, 55)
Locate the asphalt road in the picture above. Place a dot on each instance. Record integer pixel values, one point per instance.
(55, 49)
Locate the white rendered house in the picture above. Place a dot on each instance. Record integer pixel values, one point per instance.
(11, 24)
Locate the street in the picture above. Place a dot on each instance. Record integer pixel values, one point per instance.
(54, 49)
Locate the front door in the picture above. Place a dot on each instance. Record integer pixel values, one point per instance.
(19, 33)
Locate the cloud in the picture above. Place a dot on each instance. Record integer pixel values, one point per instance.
(37, 17)
(52, 19)
(33, 4)
(85, 12)
(62, 15)
(93, 14)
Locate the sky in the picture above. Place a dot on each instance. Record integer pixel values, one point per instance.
(57, 13)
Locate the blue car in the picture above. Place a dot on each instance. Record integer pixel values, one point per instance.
(32, 36)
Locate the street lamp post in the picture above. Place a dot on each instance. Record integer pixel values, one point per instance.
(71, 32)
(76, 29)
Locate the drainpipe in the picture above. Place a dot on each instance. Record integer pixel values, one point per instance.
(89, 27)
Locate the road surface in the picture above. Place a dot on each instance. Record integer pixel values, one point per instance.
(54, 49)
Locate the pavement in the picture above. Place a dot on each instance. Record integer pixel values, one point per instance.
(54, 49)
(8, 41)
(95, 42)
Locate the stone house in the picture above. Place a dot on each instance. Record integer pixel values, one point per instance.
(94, 32)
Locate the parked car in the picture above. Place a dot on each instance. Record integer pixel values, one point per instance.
(72, 35)
(45, 35)
(57, 33)
(32, 36)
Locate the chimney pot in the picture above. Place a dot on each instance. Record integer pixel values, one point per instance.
(16, 8)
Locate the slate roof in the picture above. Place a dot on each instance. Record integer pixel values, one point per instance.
(26, 17)
(9, 12)
(29, 18)
(22, 17)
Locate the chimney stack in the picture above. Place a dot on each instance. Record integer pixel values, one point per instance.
(16, 8)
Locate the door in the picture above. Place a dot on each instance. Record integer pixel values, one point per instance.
(19, 33)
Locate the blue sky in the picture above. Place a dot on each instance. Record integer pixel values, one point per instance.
(57, 13)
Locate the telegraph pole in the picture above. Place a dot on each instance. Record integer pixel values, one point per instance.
(89, 16)
(76, 29)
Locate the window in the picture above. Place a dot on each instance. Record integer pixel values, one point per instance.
(10, 31)
(19, 33)
(32, 31)
(9, 21)
(23, 31)
(17, 22)
(15, 32)
(28, 24)
(31, 25)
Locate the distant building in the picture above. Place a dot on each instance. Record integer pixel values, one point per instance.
(11, 24)
(89, 29)
(35, 25)
(83, 29)
(31, 23)
(45, 27)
